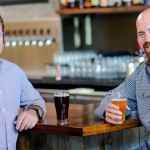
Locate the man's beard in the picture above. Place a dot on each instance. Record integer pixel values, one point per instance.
(146, 47)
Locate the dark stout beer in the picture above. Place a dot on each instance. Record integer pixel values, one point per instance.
(61, 101)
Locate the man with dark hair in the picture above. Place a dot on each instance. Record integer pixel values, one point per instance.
(15, 92)
(136, 87)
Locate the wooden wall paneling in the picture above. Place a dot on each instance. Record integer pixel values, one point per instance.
(120, 140)
(52, 142)
(143, 133)
(95, 142)
(131, 138)
(33, 58)
(114, 140)
(32, 141)
(75, 143)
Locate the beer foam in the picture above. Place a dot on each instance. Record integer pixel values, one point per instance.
(61, 94)
(119, 99)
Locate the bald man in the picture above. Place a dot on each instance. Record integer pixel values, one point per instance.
(136, 87)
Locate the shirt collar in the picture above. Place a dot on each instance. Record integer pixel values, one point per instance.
(147, 63)
(0, 64)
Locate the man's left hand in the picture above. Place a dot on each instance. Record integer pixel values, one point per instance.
(26, 120)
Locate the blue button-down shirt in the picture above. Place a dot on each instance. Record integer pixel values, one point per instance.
(137, 90)
(15, 92)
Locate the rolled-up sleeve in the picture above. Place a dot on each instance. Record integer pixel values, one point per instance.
(100, 110)
(129, 89)
(29, 95)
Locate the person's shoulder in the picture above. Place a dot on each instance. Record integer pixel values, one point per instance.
(141, 65)
(7, 65)
(141, 68)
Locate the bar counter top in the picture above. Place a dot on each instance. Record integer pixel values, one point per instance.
(69, 83)
(82, 122)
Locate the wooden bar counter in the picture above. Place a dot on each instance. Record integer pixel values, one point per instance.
(83, 132)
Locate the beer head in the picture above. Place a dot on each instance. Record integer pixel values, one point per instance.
(119, 99)
(61, 93)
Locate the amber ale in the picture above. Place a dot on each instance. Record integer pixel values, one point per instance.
(61, 100)
(121, 103)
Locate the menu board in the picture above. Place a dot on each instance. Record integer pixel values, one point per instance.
(11, 2)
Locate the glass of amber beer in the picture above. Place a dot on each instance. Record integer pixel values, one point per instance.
(120, 100)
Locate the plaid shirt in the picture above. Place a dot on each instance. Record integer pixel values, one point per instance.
(137, 90)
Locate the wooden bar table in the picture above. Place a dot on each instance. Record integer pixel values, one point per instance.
(84, 132)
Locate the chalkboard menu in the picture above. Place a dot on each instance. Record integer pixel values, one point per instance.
(11, 2)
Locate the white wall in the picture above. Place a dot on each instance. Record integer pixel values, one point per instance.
(13, 13)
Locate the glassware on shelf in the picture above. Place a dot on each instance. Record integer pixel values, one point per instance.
(50, 70)
(79, 4)
(63, 4)
(91, 65)
(71, 3)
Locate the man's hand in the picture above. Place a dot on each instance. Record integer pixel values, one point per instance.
(26, 120)
(113, 115)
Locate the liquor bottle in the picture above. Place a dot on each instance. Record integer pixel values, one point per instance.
(137, 2)
(103, 3)
(79, 4)
(126, 2)
(63, 4)
(118, 3)
(87, 3)
(95, 3)
(71, 3)
(111, 3)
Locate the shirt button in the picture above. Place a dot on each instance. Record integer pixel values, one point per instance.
(3, 109)
(8, 127)
(0, 92)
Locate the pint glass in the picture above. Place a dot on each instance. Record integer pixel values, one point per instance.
(121, 103)
(61, 101)
(119, 98)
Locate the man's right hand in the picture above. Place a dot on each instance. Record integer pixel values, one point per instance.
(113, 115)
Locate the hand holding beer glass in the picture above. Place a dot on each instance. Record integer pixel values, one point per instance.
(120, 100)
(61, 101)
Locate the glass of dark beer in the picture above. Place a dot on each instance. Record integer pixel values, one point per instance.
(61, 101)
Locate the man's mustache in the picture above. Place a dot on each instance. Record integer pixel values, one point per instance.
(146, 45)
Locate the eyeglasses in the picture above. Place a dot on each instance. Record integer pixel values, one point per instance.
(1, 34)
